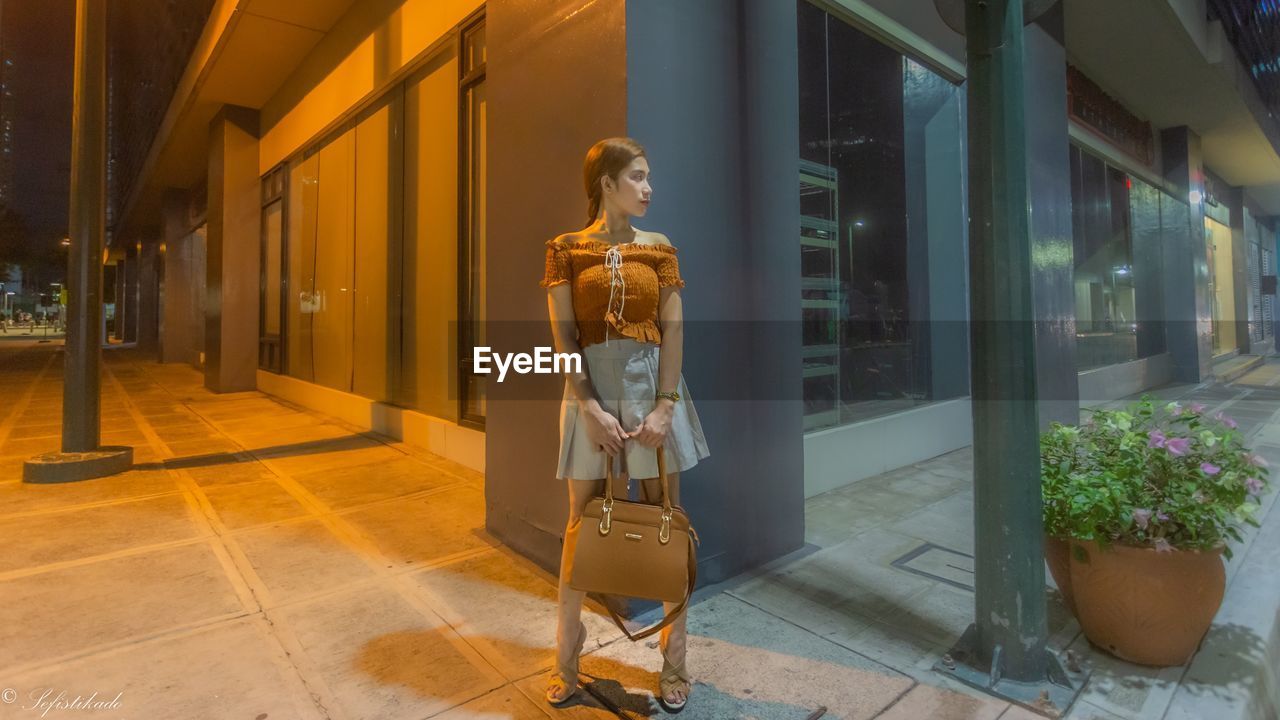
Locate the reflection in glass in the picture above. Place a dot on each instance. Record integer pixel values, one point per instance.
(882, 229)
(1222, 286)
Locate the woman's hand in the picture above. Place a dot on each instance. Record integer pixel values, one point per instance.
(605, 431)
(653, 431)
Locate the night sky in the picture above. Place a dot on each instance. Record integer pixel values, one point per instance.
(39, 36)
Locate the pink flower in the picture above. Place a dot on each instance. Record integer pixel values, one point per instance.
(1177, 446)
(1155, 439)
(1141, 517)
(1162, 516)
(1225, 420)
(1253, 485)
(1255, 460)
(1209, 468)
(1196, 408)
(1162, 546)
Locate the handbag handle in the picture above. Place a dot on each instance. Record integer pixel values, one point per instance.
(662, 473)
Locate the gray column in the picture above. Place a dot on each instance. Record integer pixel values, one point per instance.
(121, 276)
(131, 295)
(81, 397)
(233, 250)
(1049, 197)
(179, 324)
(735, 216)
(149, 296)
(1188, 327)
(578, 54)
(1239, 267)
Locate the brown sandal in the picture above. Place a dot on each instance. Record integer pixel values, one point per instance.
(673, 677)
(559, 680)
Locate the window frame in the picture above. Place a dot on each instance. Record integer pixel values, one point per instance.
(468, 80)
(274, 188)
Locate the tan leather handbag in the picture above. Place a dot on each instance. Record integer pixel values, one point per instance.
(636, 550)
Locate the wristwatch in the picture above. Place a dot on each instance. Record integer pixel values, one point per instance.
(673, 396)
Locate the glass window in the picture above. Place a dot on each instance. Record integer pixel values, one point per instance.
(882, 229)
(270, 321)
(1116, 233)
(1222, 286)
(340, 228)
(430, 268)
(373, 249)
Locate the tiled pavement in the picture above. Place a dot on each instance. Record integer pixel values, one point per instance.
(262, 561)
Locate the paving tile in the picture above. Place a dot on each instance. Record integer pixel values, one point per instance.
(86, 532)
(301, 559)
(925, 701)
(839, 589)
(748, 663)
(505, 609)
(225, 469)
(69, 610)
(362, 484)
(326, 454)
(383, 658)
(506, 702)
(424, 529)
(253, 503)
(25, 497)
(948, 523)
(42, 430)
(243, 673)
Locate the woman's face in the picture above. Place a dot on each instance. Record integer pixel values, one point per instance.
(632, 191)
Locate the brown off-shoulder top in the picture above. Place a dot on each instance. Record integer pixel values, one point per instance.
(615, 287)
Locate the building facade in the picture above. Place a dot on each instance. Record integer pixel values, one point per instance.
(343, 198)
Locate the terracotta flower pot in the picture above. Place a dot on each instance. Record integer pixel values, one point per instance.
(1144, 606)
(1058, 556)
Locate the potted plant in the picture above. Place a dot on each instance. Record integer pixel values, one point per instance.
(1139, 506)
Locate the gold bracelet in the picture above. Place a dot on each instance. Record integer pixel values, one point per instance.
(673, 396)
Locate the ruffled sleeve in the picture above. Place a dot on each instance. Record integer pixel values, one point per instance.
(559, 265)
(669, 268)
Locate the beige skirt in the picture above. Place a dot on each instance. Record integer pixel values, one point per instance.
(625, 376)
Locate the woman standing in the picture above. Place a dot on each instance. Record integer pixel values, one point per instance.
(613, 295)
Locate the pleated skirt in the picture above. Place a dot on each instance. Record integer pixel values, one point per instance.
(625, 376)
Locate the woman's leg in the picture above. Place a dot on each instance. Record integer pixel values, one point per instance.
(673, 637)
(569, 601)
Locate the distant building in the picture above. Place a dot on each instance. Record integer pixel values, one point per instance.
(7, 114)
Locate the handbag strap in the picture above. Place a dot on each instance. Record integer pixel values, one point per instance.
(671, 616)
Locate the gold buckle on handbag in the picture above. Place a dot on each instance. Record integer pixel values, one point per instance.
(606, 517)
(664, 532)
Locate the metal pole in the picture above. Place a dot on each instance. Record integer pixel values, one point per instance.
(1011, 629)
(80, 398)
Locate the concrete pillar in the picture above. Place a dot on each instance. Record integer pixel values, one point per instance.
(117, 326)
(1189, 323)
(131, 294)
(231, 285)
(582, 61)
(1239, 266)
(149, 296)
(728, 212)
(737, 87)
(1049, 186)
(179, 324)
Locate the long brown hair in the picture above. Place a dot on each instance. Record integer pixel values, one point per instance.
(607, 157)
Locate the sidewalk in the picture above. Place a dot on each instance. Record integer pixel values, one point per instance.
(266, 562)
